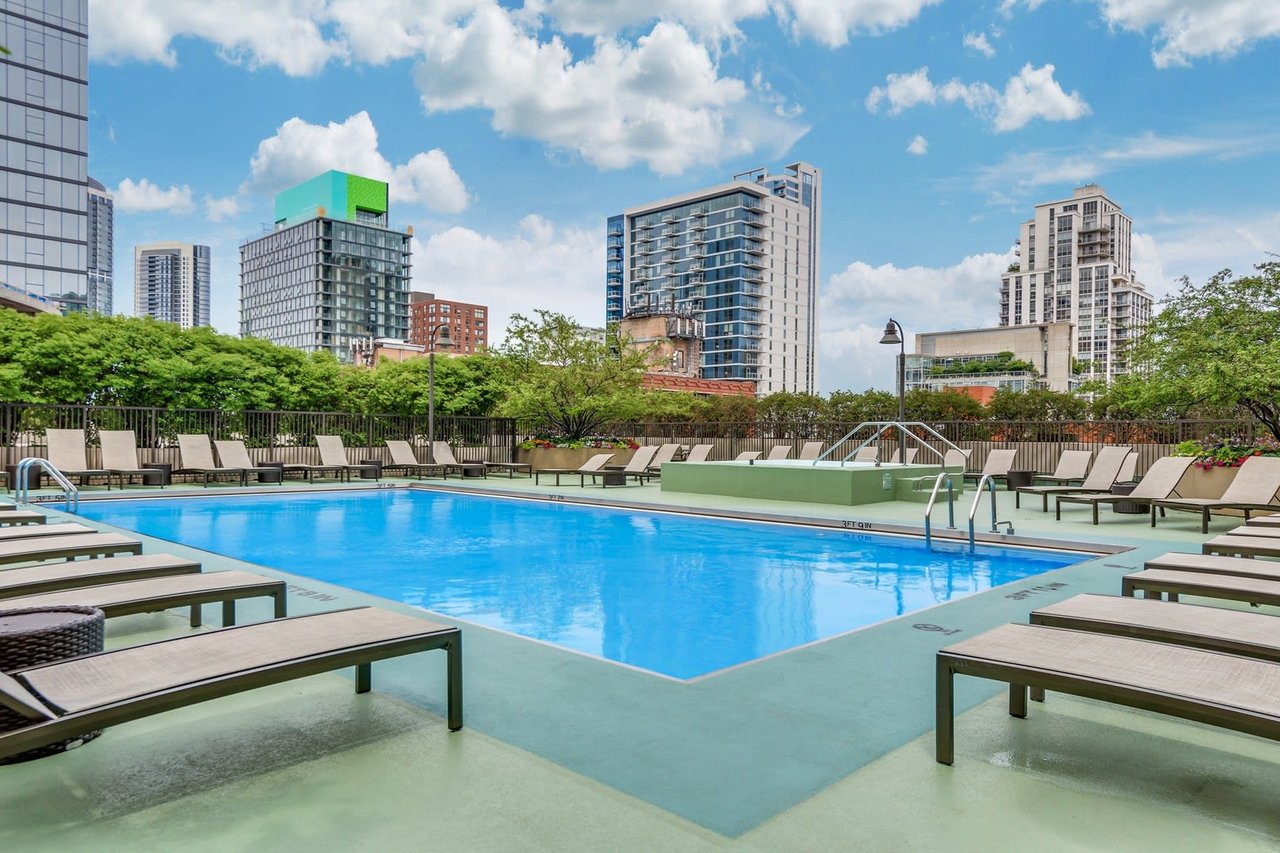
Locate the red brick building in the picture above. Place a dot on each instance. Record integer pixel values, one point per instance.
(468, 323)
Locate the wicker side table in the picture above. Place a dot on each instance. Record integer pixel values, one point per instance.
(37, 635)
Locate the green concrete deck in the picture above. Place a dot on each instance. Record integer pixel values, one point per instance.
(823, 747)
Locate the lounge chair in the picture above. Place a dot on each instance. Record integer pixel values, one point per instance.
(196, 457)
(1264, 521)
(16, 517)
(403, 458)
(1254, 530)
(1253, 489)
(512, 468)
(778, 451)
(74, 574)
(36, 531)
(811, 450)
(954, 458)
(1217, 629)
(67, 547)
(747, 456)
(67, 452)
(120, 455)
(591, 466)
(637, 468)
(1073, 466)
(1242, 546)
(870, 453)
(442, 453)
(67, 698)
(699, 453)
(1161, 481)
(234, 454)
(1128, 469)
(1224, 690)
(333, 454)
(1104, 473)
(1217, 565)
(997, 465)
(1157, 582)
(666, 453)
(161, 593)
(908, 456)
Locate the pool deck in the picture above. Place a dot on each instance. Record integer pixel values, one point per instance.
(825, 747)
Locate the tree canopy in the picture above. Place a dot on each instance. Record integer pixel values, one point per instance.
(1213, 350)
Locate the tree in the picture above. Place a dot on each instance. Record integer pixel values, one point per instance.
(1211, 348)
(572, 382)
(1036, 404)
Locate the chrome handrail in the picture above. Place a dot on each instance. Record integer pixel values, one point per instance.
(22, 494)
(987, 480)
(933, 498)
(904, 431)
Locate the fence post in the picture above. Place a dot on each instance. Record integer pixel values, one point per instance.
(369, 434)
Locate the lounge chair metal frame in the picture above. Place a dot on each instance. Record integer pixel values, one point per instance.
(361, 656)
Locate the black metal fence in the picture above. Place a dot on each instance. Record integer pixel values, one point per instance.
(290, 436)
(270, 436)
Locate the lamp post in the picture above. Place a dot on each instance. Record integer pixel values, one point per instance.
(893, 334)
(439, 337)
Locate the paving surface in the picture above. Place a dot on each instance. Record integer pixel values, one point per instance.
(825, 747)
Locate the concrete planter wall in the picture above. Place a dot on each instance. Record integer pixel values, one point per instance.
(544, 458)
(1209, 483)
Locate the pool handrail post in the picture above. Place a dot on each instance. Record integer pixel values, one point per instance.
(988, 481)
(933, 498)
(904, 429)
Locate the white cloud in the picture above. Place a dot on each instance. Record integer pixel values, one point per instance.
(918, 146)
(857, 301)
(1035, 94)
(147, 197)
(1198, 244)
(661, 102)
(1022, 172)
(1032, 93)
(1194, 29)
(283, 33)
(300, 150)
(978, 42)
(832, 22)
(541, 266)
(221, 209)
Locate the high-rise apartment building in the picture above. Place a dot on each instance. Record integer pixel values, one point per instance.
(331, 272)
(1075, 267)
(44, 159)
(101, 248)
(741, 258)
(468, 323)
(171, 283)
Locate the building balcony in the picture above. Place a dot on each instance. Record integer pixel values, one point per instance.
(669, 217)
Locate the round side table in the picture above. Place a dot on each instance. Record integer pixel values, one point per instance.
(38, 635)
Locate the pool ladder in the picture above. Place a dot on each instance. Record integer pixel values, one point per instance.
(22, 494)
(990, 483)
(945, 477)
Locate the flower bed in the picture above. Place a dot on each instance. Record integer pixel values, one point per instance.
(547, 442)
(1217, 452)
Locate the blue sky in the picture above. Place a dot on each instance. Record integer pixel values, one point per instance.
(510, 131)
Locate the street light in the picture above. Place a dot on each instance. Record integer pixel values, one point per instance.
(439, 337)
(893, 334)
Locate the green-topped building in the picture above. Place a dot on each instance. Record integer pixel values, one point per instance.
(331, 272)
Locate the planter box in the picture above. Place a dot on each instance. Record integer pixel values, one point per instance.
(568, 458)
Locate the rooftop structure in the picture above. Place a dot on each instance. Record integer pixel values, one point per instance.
(332, 272)
(1016, 358)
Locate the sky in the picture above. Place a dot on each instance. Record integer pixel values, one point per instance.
(510, 131)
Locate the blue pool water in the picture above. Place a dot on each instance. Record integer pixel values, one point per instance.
(673, 594)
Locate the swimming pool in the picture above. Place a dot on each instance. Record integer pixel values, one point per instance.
(674, 594)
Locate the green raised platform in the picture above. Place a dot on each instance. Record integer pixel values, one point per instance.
(851, 484)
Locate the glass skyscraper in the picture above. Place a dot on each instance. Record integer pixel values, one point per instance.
(101, 248)
(332, 274)
(741, 258)
(171, 282)
(44, 161)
